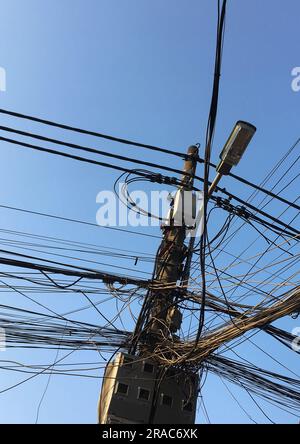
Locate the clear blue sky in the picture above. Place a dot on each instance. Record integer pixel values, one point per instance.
(139, 69)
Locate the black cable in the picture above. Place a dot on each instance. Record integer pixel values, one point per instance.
(89, 150)
(154, 176)
(258, 187)
(78, 221)
(164, 150)
(209, 138)
(105, 277)
(93, 133)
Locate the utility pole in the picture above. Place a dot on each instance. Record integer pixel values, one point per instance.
(165, 318)
(149, 392)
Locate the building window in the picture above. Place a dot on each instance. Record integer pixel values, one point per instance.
(127, 362)
(143, 394)
(121, 388)
(166, 400)
(187, 406)
(148, 368)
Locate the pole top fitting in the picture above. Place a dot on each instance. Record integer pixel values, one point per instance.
(193, 150)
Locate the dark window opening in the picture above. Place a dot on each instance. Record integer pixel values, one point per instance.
(143, 394)
(122, 388)
(148, 368)
(166, 400)
(127, 362)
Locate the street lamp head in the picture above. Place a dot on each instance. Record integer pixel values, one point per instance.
(235, 146)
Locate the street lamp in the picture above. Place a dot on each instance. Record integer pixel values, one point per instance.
(233, 150)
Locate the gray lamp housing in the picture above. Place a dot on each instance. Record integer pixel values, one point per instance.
(235, 146)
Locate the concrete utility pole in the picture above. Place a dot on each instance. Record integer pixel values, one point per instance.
(149, 393)
(172, 253)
